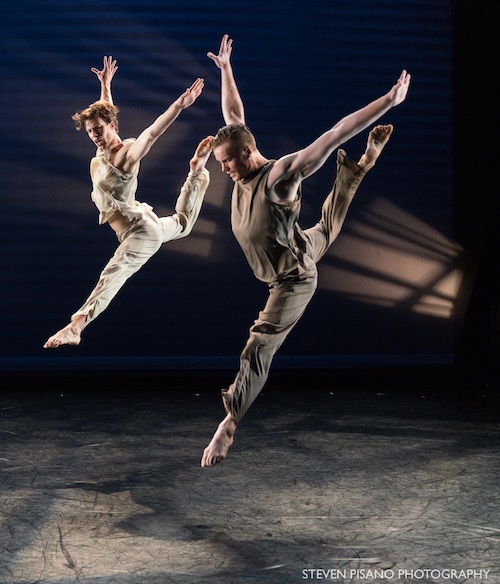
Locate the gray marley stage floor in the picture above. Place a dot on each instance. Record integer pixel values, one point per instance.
(102, 486)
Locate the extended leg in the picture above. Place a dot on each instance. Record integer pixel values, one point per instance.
(190, 199)
(142, 242)
(349, 176)
(286, 304)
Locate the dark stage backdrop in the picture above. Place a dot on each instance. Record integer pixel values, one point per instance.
(388, 285)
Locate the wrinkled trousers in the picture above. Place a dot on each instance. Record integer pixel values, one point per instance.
(141, 239)
(290, 295)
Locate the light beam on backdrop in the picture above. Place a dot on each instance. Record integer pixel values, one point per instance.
(391, 258)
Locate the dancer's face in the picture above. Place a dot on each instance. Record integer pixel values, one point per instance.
(234, 163)
(102, 134)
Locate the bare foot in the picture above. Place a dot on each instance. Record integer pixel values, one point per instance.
(201, 154)
(216, 451)
(69, 335)
(377, 139)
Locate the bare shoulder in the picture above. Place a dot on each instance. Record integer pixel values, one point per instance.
(119, 157)
(283, 181)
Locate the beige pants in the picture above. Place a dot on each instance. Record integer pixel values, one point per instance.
(289, 297)
(140, 240)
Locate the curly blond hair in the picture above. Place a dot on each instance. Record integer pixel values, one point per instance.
(99, 109)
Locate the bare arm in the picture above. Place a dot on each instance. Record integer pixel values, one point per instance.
(140, 147)
(232, 105)
(105, 76)
(290, 170)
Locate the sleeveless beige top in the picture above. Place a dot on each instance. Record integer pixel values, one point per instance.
(114, 190)
(268, 232)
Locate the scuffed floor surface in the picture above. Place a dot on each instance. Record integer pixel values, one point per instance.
(322, 484)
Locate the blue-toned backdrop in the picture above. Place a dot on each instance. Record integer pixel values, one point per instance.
(388, 286)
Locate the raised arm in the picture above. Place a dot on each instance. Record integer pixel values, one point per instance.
(232, 105)
(109, 68)
(290, 170)
(140, 147)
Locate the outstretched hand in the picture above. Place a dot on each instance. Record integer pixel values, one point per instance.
(191, 93)
(398, 93)
(109, 68)
(225, 49)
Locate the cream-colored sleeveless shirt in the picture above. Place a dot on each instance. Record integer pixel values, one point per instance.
(114, 190)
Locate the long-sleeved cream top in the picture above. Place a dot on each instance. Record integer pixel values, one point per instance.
(114, 190)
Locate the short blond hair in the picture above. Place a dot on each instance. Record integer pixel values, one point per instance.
(238, 136)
